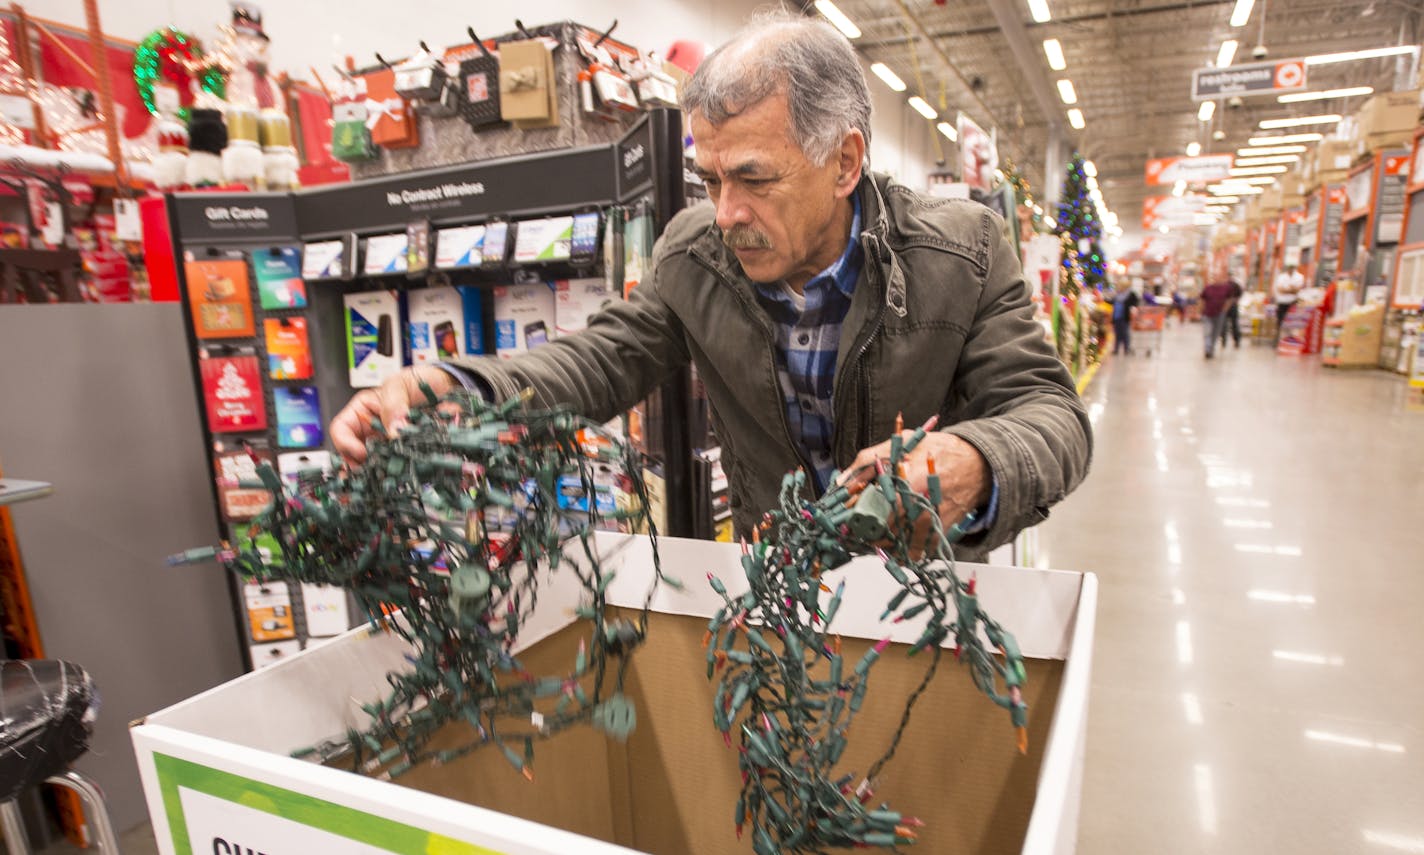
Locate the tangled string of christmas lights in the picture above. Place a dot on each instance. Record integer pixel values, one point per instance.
(790, 713)
(453, 523)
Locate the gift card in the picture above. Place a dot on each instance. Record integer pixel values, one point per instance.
(386, 254)
(219, 297)
(288, 353)
(232, 392)
(296, 466)
(460, 247)
(236, 471)
(269, 611)
(279, 277)
(298, 416)
(323, 260)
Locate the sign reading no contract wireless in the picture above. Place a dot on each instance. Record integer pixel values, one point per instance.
(1254, 78)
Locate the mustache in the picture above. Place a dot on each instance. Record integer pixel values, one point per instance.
(745, 237)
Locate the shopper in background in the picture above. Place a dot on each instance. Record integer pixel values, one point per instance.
(1231, 325)
(1217, 299)
(1288, 285)
(1178, 305)
(818, 301)
(1124, 308)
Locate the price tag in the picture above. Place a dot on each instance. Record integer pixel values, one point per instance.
(127, 225)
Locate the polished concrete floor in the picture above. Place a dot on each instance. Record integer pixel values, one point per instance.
(1257, 525)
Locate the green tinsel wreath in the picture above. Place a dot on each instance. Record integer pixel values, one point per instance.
(164, 55)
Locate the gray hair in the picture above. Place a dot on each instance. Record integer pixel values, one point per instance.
(805, 59)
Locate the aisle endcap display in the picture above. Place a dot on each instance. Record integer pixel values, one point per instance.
(235, 738)
(297, 299)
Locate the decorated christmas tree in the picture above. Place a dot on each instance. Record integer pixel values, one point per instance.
(1081, 226)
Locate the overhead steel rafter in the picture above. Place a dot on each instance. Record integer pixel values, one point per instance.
(959, 75)
(1029, 66)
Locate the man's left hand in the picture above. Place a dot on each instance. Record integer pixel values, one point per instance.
(964, 477)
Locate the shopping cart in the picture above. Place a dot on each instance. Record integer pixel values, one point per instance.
(1147, 326)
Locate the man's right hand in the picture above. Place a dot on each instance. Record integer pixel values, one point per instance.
(390, 402)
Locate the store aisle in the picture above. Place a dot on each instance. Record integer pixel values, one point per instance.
(1255, 524)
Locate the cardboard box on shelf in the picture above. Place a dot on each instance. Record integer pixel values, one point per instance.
(1387, 140)
(1389, 112)
(1271, 202)
(220, 761)
(1357, 336)
(1332, 155)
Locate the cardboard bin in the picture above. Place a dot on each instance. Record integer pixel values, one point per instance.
(218, 778)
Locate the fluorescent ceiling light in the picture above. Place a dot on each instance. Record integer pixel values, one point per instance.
(1217, 209)
(1234, 190)
(1284, 138)
(1226, 200)
(1193, 149)
(922, 108)
(1054, 50)
(1262, 150)
(1226, 54)
(1262, 161)
(1075, 118)
(1242, 13)
(1039, 10)
(1300, 121)
(1263, 180)
(1065, 91)
(838, 19)
(1179, 188)
(1350, 56)
(948, 130)
(891, 79)
(1090, 168)
(1208, 109)
(1257, 170)
(1296, 97)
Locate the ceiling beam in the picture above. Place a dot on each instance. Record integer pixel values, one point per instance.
(1030, 66)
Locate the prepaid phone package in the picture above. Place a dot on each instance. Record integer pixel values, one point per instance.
(445, 322)
(523, 317)
(373, 346)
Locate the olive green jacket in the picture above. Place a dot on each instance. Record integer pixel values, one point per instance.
(940, 322)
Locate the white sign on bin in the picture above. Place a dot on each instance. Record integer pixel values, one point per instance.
(220, 826)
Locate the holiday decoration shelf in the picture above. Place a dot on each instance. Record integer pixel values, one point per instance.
(216, 767)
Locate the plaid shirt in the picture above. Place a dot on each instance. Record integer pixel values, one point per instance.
(807, 338)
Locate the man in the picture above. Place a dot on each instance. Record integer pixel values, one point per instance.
(817, 301)
(1287, 286)
(1217, 300)
(1231, 325)
(1124, 307)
